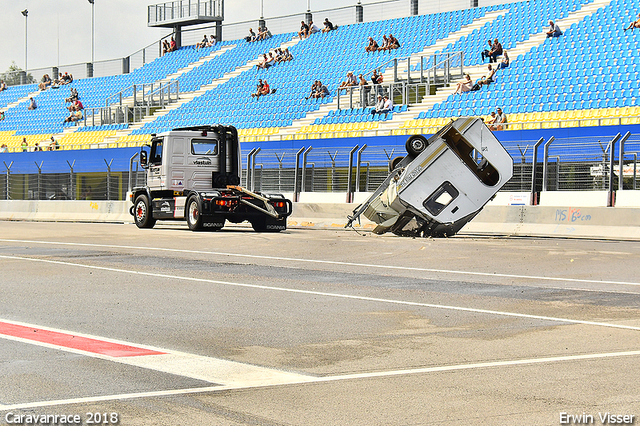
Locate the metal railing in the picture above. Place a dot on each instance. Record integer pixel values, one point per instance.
(583, 164)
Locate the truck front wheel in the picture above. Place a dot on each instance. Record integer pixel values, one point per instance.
(194, 214)
(142, 213)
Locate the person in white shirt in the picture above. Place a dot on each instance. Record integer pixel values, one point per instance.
(313, 28)
(554, 30)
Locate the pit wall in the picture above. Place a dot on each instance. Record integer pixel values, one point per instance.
(560, 214)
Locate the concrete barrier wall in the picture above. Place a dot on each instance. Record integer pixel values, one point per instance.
(497, 218)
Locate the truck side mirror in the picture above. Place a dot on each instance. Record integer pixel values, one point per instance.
(144, 158)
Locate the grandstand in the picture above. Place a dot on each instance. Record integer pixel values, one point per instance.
(566, 84)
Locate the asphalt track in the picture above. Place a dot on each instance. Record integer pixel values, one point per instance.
(312, 327)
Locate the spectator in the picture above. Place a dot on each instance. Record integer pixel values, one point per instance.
(372, 46)
(365, 89)
(385, 43)
(32, 104)
(496, 50)
(287, 55)
(24, 145)
(212, 41)
(491, 120)
(258, 88)
(634, 24)
(304, 30)
(486, 53)
(465, 85)
(262, 63)
(488, 79)
(4, 148)
(383, 106)
(313, 28)
(73, 95)
(1, 115)
(45, 82)
(379, 106)
(251, 37)
(376, 80)
(323, 91)
(36, 147)
(349, 81)
(3, 86)
(263, 33)
(554, 30)
(173, 46)
(328, 26)
(54, 144)
(165, 47)
(501, 119)
(504, 63)
(262, 90)
(202, 44)
(270, 60)
(393, 42)
(314, 90)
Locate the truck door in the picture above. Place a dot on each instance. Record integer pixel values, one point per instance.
(155, 179)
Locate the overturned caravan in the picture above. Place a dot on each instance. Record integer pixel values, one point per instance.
(442, 183)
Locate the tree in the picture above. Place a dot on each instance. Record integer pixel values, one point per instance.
(14, 76)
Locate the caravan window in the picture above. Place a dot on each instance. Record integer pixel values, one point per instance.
(204, 147)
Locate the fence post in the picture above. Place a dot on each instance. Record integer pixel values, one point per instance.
(350, 172)
(635, 164)
(8, 177)
(108, 178)
(246, 181)
(39, 179)
(621, 161)
(545, 163)
(280, 170)
(304, 169)
(358, 161)
(612, 154)
(295, 175)
(333, 169)
(534, 165)
(253, 168)
(71, 191)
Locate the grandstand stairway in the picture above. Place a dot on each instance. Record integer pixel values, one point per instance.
(189, 96)
(388, 74)
(478, 71)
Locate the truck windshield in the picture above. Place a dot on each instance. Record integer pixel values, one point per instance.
(204, 147)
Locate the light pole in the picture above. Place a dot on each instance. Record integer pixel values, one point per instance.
(93, 31)
(25, 13)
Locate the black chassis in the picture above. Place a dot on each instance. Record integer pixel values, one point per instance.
(214, 216)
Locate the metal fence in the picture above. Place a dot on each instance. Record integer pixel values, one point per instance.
(578, 164)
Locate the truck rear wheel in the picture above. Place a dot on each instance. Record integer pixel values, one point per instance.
(194, 214)
(142, 212)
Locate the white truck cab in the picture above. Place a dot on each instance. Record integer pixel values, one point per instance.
(194, 174)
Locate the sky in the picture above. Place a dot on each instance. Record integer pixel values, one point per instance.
(59, 32)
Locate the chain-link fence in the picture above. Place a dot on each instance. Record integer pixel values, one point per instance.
(576, 164)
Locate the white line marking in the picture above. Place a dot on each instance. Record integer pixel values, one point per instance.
(329, 262)
(357, 376)
(335, 295)
(208, 369)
